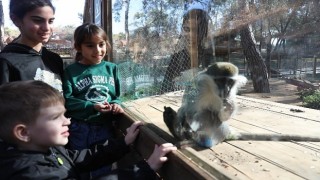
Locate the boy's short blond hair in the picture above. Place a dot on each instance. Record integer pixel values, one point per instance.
(20, 102)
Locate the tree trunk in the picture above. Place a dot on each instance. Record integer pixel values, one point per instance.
(126, 26)
(256, 65)
(269, 49)
(1, 26)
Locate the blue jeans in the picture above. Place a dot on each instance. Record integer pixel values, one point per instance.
(85, 135)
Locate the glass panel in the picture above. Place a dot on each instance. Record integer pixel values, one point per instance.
(267, 40)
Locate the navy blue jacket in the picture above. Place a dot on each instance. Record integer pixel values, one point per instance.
(60, 163)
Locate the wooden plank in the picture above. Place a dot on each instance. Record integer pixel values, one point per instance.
(251, 165)
(315, 146)
(146, 110)
(243, 127)
(277, 122)
(207, 156)
(288, 156)
(173, 101)
(309, 114)
(248, 165)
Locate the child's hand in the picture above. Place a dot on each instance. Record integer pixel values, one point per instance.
(132, 132)
(116, 109)
(103, 108)
(158, 157)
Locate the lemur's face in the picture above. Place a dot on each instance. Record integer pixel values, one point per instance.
(223, 74)
(224, 85)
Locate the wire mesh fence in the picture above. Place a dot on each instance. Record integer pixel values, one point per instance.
(157, 57)
(155, 62)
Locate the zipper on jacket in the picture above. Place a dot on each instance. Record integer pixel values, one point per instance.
(57, 159)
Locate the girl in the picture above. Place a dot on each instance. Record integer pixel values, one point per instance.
(26, 58)
(91, 88)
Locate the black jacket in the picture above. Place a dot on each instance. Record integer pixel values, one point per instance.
(60, 163)
(19, 62)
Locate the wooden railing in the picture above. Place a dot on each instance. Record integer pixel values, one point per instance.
(182, 164)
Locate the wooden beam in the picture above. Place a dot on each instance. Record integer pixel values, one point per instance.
(107, 24)
(314, 74)
(88, 11)
(193, 39)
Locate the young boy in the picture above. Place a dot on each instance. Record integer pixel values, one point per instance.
(33, 131)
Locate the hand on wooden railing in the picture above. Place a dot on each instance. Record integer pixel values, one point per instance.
(132, 132)
(158, 157)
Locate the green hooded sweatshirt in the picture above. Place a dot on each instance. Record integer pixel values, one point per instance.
(86, 85)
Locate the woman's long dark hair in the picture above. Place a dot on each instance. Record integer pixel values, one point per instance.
(19, 8)
(202, 19)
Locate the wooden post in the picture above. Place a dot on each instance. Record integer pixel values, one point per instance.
(193, 39)
(295, 68)
(107, 24)
(88, 11)
(314, 74)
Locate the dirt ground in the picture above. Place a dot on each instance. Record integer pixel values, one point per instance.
(281, 92)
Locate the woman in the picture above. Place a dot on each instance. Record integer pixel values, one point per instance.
(181, 60)
(26, 58)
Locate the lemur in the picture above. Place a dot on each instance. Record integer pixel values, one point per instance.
(208, 102)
